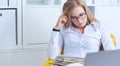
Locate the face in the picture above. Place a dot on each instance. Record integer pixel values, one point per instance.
(79, 17)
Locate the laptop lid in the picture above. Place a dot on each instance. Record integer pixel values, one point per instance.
(103, 58)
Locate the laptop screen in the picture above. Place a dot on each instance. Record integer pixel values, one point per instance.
(103, 58)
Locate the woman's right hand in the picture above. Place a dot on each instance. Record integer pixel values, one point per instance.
(61, 21)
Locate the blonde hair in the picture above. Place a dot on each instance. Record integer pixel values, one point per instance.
(68, 7)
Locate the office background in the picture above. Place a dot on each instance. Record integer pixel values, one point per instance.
(26, 25)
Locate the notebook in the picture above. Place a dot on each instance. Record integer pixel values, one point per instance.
(103, 58)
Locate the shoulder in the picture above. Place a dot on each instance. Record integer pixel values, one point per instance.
(98, 24)
(101, 27)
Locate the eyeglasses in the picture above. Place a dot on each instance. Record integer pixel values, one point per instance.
(81, 16)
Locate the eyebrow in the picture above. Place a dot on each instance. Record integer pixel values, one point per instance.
(80, 14)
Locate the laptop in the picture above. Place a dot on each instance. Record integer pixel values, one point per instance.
(103, 58)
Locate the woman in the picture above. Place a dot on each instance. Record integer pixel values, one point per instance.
(78, 32)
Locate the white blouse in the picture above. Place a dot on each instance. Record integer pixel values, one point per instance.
(77, 44)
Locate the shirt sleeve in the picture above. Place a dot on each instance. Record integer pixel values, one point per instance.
(55, 45)
(106, 39)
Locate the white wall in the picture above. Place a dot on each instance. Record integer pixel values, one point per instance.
(38, 23)
(110, 16)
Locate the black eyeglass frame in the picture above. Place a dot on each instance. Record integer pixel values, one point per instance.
(81, 16)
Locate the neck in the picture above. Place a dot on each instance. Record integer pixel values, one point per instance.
(81, 30)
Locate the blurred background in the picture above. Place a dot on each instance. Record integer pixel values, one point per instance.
(25, 27)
